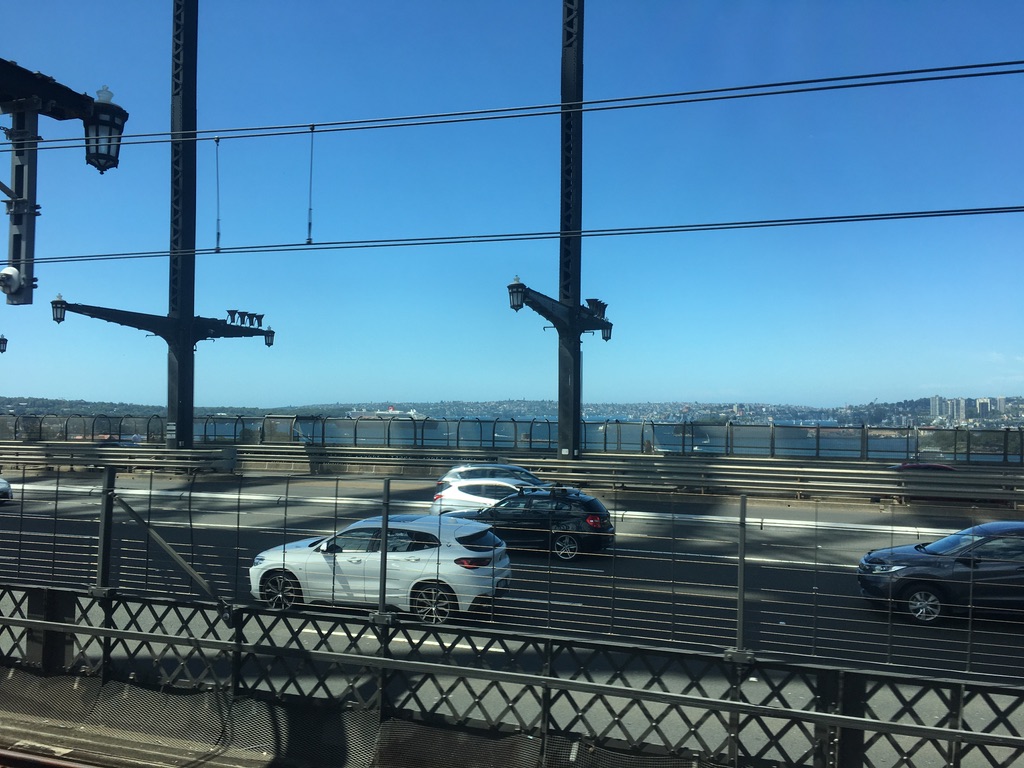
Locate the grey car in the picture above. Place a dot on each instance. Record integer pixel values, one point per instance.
(979, 567)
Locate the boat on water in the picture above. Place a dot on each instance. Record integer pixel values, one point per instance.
(390, 413)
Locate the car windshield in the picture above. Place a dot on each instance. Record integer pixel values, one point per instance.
(952, 544)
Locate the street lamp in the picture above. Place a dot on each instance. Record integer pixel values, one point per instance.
(570, 321)
(3, 344)
(516, 294)
(26, 95)
(565, 318)
(103, 131)
(60, 308)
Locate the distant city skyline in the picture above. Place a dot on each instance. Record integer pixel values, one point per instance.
(1006, 411)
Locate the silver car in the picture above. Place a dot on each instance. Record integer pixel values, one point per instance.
(436, 566)
(488, 470)
(6, 494)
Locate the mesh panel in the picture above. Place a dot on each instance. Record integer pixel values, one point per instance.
(119, 723)
(403, 744)
(583, 755)
(37, 695)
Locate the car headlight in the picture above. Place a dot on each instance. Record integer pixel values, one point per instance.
(258, 560)
(884, 568)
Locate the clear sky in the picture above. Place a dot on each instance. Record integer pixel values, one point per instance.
(818, 315)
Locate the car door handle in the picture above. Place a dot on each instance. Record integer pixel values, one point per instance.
(355, 559)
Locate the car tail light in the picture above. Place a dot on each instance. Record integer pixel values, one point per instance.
(473, 562)
(437, 496)
(594, 521)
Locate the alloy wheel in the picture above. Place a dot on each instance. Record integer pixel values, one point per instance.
(281, 590)
(434, 603)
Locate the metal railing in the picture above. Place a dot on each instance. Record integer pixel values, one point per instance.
(633, 702)
(567, 693)
(987, 446)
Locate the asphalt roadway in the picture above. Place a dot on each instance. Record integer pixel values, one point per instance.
(674, 576)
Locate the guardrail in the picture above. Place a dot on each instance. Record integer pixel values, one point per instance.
(979, 445)
(799, 479)
(691, 474)
(74, 455)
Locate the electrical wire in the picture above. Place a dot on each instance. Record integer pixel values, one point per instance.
(903, 77)
(633, 102)
(550, 235)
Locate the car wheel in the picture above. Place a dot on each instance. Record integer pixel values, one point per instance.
(280, 589)
(565, 545)
(924, 604)
(434, 603)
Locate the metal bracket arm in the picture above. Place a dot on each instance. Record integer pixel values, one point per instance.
(167, 328)
(159, 325)
(563, 317)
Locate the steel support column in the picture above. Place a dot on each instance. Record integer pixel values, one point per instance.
(181, 299)
(569, 262)
(24, 136)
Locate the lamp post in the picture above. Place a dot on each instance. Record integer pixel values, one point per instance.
(3, 343)
(566, 314)
(239, 324)
(570, 322)
(26, 95)
(174, 332)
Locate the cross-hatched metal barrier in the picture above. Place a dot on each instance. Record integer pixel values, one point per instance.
(326, 688)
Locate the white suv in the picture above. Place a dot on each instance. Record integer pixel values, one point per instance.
(436, 566)
(491, 470)
(472, 494)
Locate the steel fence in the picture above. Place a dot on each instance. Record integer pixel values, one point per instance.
(930, 444)
(631, 702)
(775, 577)
(730, 638)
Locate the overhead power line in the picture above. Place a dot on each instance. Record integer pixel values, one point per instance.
(902, 77)
(552, 235)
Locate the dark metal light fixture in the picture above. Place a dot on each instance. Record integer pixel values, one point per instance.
(103, 131)
(516, 294)
(3, 344)
(268, 336)
(27, 96)
(60, 308)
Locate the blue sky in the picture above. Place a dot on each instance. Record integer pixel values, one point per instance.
(817, 315)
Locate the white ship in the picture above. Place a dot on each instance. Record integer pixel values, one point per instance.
(390, 413)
